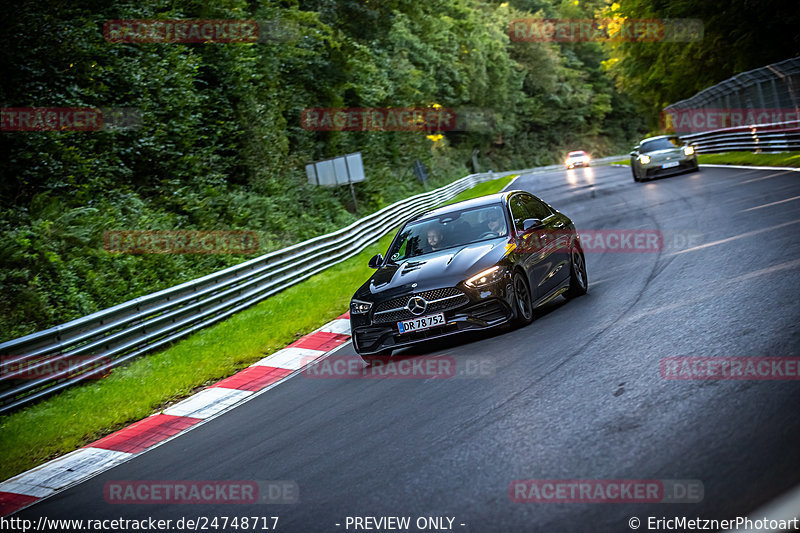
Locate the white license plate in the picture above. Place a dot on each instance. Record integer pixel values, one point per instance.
(423, 322)
(670, 164)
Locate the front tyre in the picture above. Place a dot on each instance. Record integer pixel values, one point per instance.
(578, 281)
(522, 301)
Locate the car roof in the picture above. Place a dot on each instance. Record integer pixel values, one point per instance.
(489, 199)
(658, 137)
(577, 152)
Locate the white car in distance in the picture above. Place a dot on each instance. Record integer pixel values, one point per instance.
(578, 158)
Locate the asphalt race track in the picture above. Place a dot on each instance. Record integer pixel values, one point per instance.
(576, 395)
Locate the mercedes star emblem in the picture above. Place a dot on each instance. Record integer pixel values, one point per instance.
(417, 305)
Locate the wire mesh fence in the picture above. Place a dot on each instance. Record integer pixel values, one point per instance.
(765, 95)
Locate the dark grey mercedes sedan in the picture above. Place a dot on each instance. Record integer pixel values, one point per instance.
(472, 265)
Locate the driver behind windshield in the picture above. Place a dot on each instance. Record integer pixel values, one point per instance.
(494, 223)
(435, 238)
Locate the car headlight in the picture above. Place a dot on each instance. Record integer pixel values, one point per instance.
(644, 159)
(357, 307)
(688, 150)
(486, 277)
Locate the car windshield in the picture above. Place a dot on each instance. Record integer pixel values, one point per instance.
(450, 230)
(576, 154)
(667, 143)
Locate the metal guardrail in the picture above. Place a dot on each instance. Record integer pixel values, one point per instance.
(774, 137)
(90, 345)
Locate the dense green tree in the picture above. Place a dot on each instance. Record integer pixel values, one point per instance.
(738, 35)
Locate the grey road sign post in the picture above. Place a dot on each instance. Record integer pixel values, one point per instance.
(344, 170)
(421, 172)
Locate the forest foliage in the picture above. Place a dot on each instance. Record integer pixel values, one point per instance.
(221, 146)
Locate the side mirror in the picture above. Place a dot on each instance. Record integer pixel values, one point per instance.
(531, 223)
(375, 261)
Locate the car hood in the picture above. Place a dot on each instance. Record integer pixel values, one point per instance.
(445, 268)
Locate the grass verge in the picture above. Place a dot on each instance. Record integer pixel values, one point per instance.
(782, 159)
(83, 414)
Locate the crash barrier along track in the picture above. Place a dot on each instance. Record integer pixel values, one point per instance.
(774, 137)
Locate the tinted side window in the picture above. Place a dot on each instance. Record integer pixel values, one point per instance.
(518, 211)
(535, 208)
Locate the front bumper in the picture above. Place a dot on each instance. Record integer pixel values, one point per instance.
(577, 164)
(482, 309)
(654, 170)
